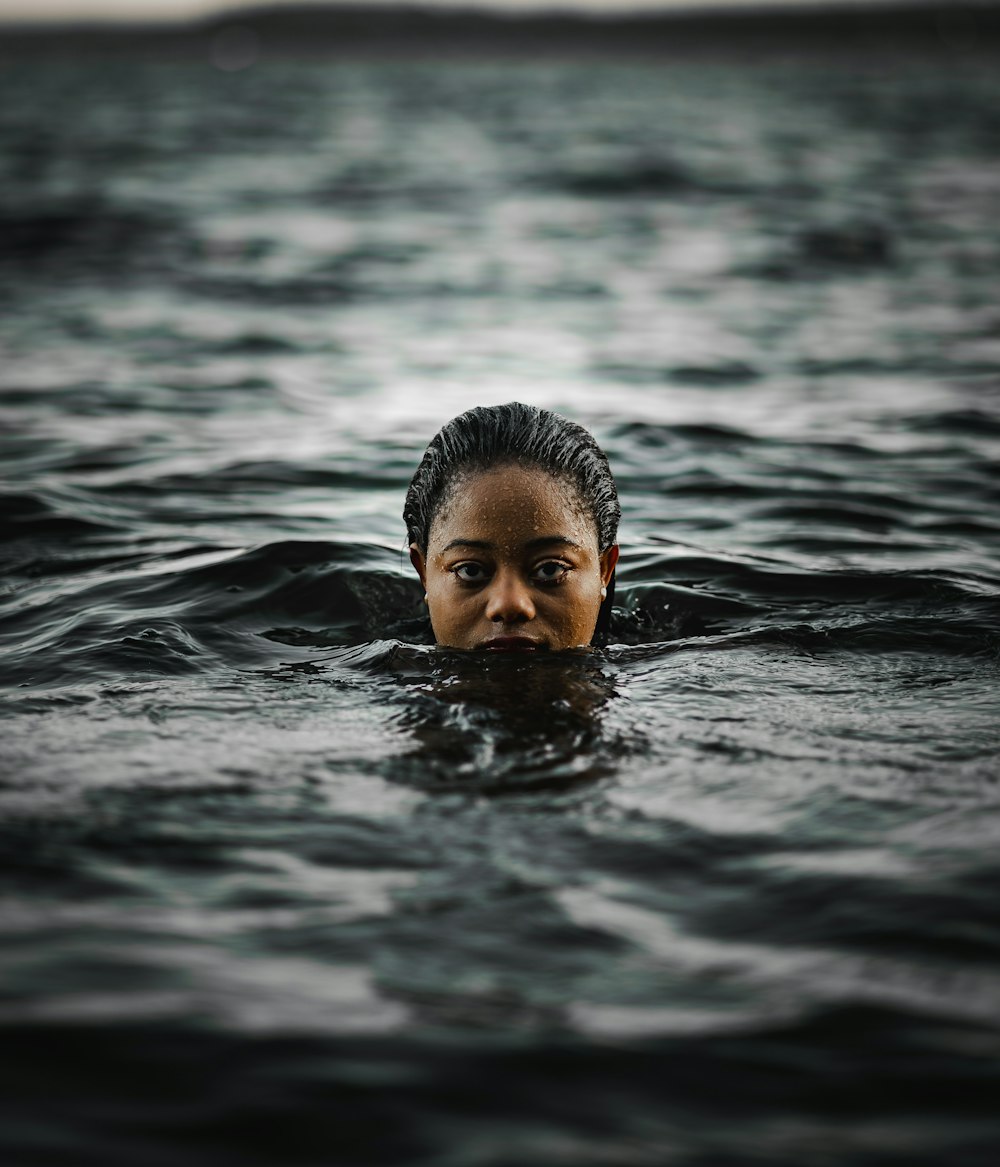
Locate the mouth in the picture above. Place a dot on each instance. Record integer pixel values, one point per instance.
(511, 644)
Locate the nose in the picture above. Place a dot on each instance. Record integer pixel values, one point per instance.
(509, 599)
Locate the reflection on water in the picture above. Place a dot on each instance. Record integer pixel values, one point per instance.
(505, 723)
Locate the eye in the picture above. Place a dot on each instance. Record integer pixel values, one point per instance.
(471, 572)
(550, 572)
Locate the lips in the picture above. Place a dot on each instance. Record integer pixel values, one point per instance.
(511, 644)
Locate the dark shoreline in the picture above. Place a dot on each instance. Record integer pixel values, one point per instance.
(958, 30)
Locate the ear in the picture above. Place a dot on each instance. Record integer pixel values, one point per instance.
(419, 562)
(608, 560)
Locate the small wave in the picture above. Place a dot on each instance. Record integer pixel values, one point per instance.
(30, 516)
(975, 423)
(663, 612)
(721, 374)
(648, 434)
(166, 649)
(260, 476)
(257, 290)
(821, 252)
(233, 611)
(251, 344)
(636, 179)
(81, 230)
(812, 514)
(952, 635)
(855, 245)
(89, 399)
(773, 579)
(936, 364)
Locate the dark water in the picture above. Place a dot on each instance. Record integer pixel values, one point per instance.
(281, 883)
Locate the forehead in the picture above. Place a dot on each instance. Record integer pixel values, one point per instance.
(511, 505)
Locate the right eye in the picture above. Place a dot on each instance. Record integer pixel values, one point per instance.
(471, 572)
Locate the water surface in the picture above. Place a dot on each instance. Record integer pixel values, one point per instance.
(282, 883)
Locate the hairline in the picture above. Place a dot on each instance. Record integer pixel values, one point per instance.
(467, 469)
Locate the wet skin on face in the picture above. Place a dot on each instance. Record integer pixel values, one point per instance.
(512, 564)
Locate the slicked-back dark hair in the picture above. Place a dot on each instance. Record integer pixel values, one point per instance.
(498, 435)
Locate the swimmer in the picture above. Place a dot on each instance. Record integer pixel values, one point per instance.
(512, 519)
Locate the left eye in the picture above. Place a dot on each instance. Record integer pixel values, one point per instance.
(550, 571)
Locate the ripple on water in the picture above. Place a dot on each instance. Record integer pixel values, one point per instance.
(278, 873)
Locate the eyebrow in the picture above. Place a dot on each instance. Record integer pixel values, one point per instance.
(531, 545)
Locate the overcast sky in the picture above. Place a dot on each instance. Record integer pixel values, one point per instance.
(36, 10)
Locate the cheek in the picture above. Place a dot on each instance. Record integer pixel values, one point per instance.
(576, 611)
(448, 606)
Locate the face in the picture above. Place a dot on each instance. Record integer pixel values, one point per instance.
(512, 564)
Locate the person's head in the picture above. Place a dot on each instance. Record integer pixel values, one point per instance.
(512, 518)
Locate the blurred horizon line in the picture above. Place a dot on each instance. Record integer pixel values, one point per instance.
(237, 36)
(497, 12)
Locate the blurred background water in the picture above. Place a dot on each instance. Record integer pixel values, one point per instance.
(282, 883)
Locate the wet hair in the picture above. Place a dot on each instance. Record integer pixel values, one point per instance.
(500, 435)
(523, 435)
